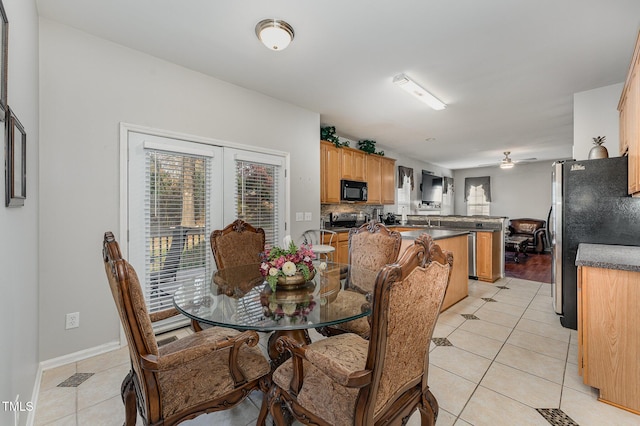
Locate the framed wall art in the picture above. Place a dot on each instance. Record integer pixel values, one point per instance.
(4, 56)
(16, 161)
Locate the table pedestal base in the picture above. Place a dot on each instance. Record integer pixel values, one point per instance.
(277, 358)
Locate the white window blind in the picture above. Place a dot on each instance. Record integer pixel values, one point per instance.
(258, 192)
(404, 196)
(177, 223)
(477, 203)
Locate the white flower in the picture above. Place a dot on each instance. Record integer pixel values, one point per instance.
(264, 266)
(273, 306)
(288, 308)
(322, 266)
(307, 259)
(286, 241)
(273, 272)
(289, 268)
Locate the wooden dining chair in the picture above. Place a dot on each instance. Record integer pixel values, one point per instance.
(371, 246)
(208, 371)
(237, 244)
(347, 380)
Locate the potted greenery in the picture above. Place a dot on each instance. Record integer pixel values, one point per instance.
(369, 147)
(328, 133)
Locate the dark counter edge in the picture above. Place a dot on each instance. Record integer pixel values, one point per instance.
(420, 227)
(625, 258)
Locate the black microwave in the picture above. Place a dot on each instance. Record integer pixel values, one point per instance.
(351, 190)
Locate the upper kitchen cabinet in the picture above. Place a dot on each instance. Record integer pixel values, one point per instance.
(387, 176)
(353, 164)
(380, 179)
(374, 183)
(330, 169)
(629, 108)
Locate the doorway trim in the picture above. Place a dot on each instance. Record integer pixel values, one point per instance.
(122, 234)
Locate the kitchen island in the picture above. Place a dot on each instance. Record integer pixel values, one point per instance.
(456, 242)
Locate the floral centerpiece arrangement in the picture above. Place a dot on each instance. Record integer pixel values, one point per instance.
(292, 260)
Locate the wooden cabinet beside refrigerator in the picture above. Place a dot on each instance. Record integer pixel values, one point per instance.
(608, 338)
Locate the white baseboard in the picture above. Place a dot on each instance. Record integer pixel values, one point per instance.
(80, 355)
(63, 360)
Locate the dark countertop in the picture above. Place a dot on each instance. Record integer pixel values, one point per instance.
(436, 234)
(626, 258)
(421, 227)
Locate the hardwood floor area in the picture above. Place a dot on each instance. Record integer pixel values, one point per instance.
(534, 267)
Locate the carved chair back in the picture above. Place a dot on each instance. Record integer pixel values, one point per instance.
(237, 244)
(398, 352)
(371, 246)
(129, 299)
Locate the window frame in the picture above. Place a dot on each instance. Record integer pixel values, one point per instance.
(124, 222)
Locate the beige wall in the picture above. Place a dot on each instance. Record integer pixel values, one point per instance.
(88, 87)
(595, 113)
(19, 226)
(523, 191)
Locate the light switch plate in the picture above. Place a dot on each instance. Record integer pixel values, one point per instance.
(299, 216)
(308, 216)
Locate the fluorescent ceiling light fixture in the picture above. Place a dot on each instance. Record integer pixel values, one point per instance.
(274, 34)
(416, 90)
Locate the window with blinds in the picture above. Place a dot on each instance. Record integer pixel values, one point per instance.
(257, 196)
(176, 219)
(404, 196)
(477, 203)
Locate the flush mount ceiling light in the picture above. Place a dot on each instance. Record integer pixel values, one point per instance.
(274, 33)
(506, 161)
(416, 90)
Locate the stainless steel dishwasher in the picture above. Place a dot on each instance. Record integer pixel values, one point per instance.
(472, 255)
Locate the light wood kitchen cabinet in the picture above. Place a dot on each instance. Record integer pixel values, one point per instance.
(608, 338)
(342, 251)
(330, 159)
(488, 247)
(387, 177)
(341, 243)
(374, 182)
(458, 287)
(381, 179)
(629, 108)
(354, 164)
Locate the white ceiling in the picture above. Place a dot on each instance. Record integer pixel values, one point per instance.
(506, 69)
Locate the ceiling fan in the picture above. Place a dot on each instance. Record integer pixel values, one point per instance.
(507, 162)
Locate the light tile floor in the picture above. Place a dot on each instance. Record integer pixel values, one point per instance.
(501, 358)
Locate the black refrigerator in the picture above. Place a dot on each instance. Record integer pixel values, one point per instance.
(589, 205)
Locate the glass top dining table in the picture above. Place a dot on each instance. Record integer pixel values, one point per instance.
(240, 298)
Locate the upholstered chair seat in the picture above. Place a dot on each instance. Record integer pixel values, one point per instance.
(196, 374)
(348, 380)
(324, 392)
(344, 302)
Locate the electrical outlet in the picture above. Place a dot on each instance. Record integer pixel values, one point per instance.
(299, 216)
(308, 216)
(73, 320)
